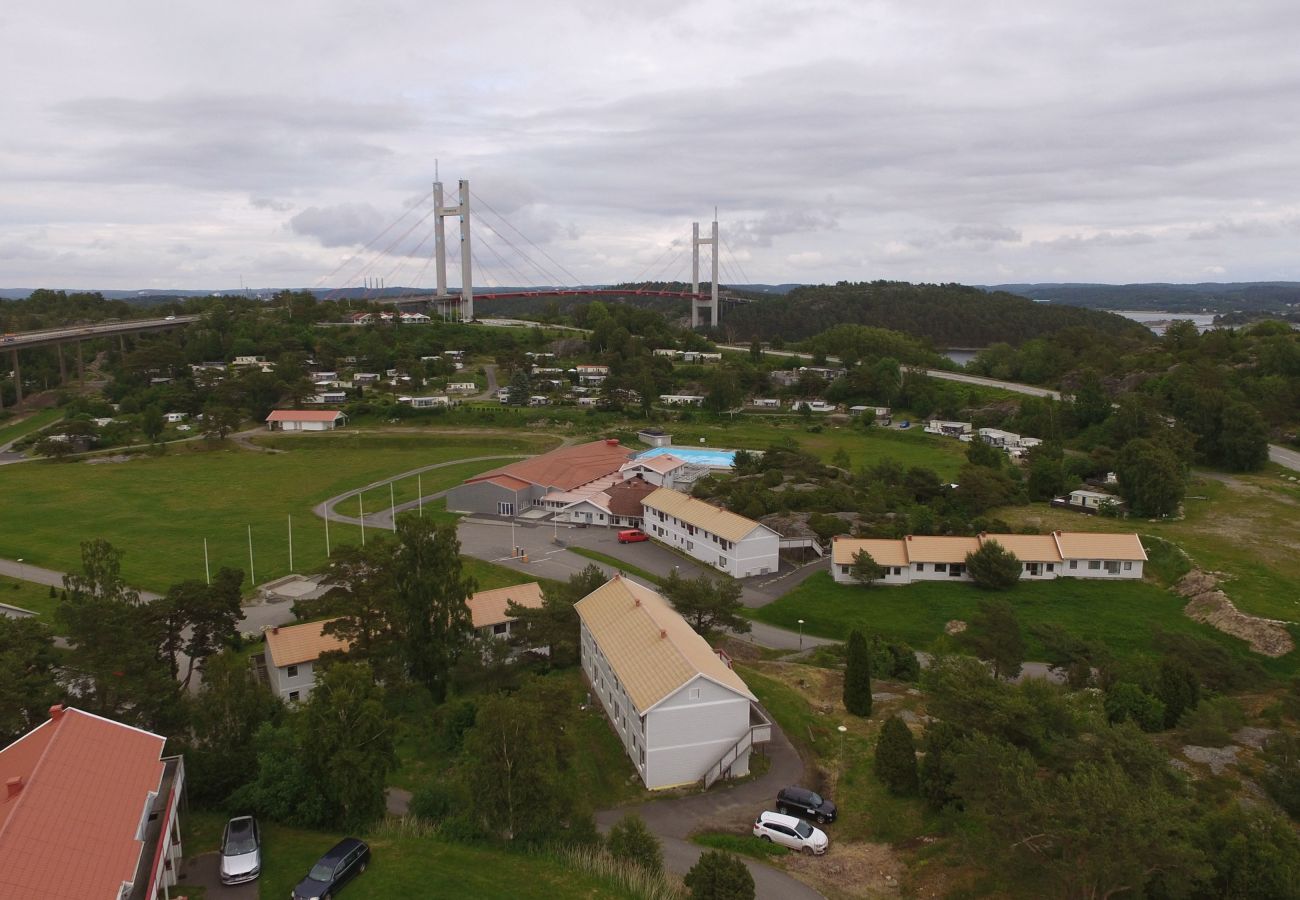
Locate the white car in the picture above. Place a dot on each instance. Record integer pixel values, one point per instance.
(792, 832)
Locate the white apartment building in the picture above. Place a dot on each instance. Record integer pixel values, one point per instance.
(292, 652)
(729, 542)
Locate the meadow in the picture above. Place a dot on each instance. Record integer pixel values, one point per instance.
(159, 509)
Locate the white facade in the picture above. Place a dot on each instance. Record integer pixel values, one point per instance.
(425, 402)
(951, 429)
(755, 553)
(462, 387)
(292, 684)
(1092, 499)
(765, 403)
(680, 399)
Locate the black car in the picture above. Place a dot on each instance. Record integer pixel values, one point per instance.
(347, 859)
(797, 801)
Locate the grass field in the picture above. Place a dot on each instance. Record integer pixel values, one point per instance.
(29, 595)
(10, 431)
(1245, 526)
(1123, 616)
(618, 564)
(742, 844)
(159, 510)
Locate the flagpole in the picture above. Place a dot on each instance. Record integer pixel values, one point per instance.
(361, 508)
(419, 490)
(207, 572)
(291, 542)
(251, 570)
(327, 530)
(392, 504)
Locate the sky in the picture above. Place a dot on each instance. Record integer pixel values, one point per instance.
(152, 145)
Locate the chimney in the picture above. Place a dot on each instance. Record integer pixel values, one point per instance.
(636, 601)
(663, 633)
(611, 442)
(56, 712)
(13, 786)
(275, 629)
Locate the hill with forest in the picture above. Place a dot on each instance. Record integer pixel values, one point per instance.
(1240, 297)
(949, 315)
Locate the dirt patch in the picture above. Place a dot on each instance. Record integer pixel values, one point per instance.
(956, 626)
(100, 460)
(742, 650)
(1206, 603)
(850, 870)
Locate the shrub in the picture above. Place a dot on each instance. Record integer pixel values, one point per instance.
(993, 567)
(1178, 689)
(631, 841)
(895, 762)
(1126, 701)
(1212, 723)
(720, 876)
(857, 676)
(436, 801)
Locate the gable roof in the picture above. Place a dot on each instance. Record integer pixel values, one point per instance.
(565, 468)
(1027, 547)
(924, 548)
(884, 552)
(714, 519)
(663, 463)
(71, 830)
(509, 482)
(489, 607)
(1097, 545)
(304, 415)
(289, 645)
(626, 497)
(652, 649)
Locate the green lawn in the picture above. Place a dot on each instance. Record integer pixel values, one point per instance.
(159, 510)
(1122, 615)
(425, 867)
(29, 595)
(618, 564)
(12, 430)
(745, 845)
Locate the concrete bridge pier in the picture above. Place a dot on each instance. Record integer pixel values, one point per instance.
(63, 369)
(18, 377)
(81, 369)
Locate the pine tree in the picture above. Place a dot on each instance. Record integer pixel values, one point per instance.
(631, 840)
(896, 757)
(857, 676)
(719, 876)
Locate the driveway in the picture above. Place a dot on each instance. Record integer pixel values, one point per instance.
(201, 872)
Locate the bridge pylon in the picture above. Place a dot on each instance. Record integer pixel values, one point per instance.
(696, 303)
(440, 248)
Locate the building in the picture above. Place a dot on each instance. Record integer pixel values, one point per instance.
(681, 400)
(1062, 554)
(292, 652)
(90, 810)
(1088, 501)
(329, 398)
(880, 412)
(818, 406)
(618, 505)
(729, 542)
(657, 470)
(365, 378)
(948, 429)
(462, 387)
(654, 437)
(682, 714)
(487, 609)
(425, 402)
(415, 318)
(305, 420)
(764, 403)
(174, 418)
(507, 490)
(241, 361)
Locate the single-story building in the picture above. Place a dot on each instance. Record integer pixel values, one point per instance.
(1091, 501)
(681, 712)
(305, 420)
(462, 387)
(725, 540)
(415, 318)
(764, 403)
(91, 809)
(948, 429)
(365, 378)
(292, 652)
(425, 402)
(819, 406)
(1062, 554)
(681, 399)
(488, 608)
(654, 437)
(880, 412)
(172, 418)
(509, 489)
(329, 398)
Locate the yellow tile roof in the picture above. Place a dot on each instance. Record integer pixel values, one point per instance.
(884, 552)
(489, 607)
(711, 518)
(1096, 545)
(289, 645)
(926, 549)
(1028, 547)
(652, 649)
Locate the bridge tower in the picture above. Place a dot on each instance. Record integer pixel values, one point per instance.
(440, 247)
(696, 303)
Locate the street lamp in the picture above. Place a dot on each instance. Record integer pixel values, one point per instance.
(842, 730)
(21, 574)
(801, 634)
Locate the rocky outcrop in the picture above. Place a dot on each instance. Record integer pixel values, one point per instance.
(1206, 603)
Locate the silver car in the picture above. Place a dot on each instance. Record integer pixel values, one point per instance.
(241, 851)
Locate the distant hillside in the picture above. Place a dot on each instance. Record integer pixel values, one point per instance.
(1245, 296)
(950, 315)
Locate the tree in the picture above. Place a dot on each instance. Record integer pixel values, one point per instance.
(1254, 852)
(895, 762)
(756, 351)
(554, 625)
(361, 602)
(219, 421)
(1150, 478)
(1091, 403)
(101, 575)
(719, 876)
(631, 841)
(151, 423)
(346, 739)
(865, 569)
(1178, 688)
(1126, 701)
(230, 708)
(723, 391)
(28, 687)
(210, 613)
(709, 604)
(993, 567)
(981, 453)
(994, 636)
(857, 676)
(520, 387)
(429, 592)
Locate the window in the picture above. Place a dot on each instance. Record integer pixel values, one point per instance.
(1112, 567)
(955, 571)
(1094, 564)
(1074, 564)
(920, 567)
(941, 567)
(1051, 567)
(293, 696)
(501, 628)
(505, 508)
(690, 545)
(1128, 567)
(722, 561)
(695, 694)
(291, 672)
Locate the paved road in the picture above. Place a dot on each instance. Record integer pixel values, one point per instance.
(26, 339)
(1284, 457)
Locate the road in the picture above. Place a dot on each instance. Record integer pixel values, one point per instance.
(25, 339)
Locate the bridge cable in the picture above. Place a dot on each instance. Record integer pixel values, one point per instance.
(575, 280)
(736, 259)
(412, 208)
(641, 275)
(547, 275)
(374, 259)
(522, 280)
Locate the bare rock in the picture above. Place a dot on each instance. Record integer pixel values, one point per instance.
(1253, 737)
(956, 626)
(1217, 758)
(1209, 605)
(885, 696)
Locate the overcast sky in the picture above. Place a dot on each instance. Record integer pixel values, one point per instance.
(161, 144)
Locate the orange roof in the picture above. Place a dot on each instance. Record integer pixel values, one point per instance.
(303, 415)
(924, 549)
(1096, 545)
(509, 482)
(289, 645)
(663, 463)
(885, 552)
(565, 468)
(489, 607)
(1027, 547)
(70, 831)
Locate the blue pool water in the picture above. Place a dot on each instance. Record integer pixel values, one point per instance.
(718, 459)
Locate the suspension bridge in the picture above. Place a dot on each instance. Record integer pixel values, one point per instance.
(514, 267)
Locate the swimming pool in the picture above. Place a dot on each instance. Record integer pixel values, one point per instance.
(717, 459)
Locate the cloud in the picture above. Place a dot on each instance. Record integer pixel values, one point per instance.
(344, 225)
(270, 203)
(985, 234)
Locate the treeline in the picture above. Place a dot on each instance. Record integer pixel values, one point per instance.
(945, 314)
(1250, 296)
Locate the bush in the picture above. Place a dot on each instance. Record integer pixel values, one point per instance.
(1212, 723)
(1282, 780)
(1126, 701)
(719, 876)
(857, 676)
(993, 567)
(436, 801)
(895, 762)
(631, 841)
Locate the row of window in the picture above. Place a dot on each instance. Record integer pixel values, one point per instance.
(691, 530)
(1111, 566)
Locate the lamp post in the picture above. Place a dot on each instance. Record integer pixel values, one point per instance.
(842, 730)
(21, 572)
(801, 634)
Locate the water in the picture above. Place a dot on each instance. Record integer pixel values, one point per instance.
(716, 459)
(1158, 320)
(961, 357)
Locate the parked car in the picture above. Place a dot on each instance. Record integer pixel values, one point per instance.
(905, 424)
(241, 850)
(632, 536)
(797, 801)
(345, 860)
(791, 832)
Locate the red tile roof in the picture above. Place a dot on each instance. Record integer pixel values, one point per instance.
(509, 482)
(625, 498)
(565, 468)
(71, 831)
(303, 415)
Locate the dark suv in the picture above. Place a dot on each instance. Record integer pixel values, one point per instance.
(345, 860)
(797, 801)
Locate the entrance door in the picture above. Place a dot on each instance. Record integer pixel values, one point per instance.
(505, 508)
